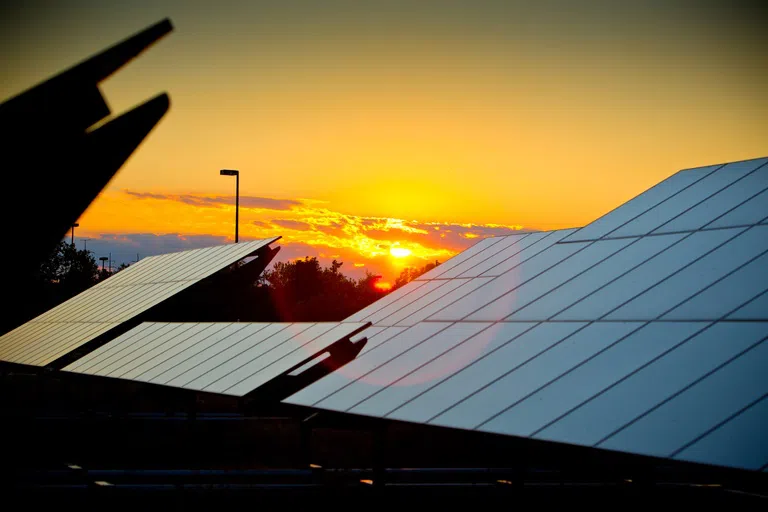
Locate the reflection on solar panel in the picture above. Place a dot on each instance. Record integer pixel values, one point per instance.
(116, 300)
(643, 332)
(227, 358)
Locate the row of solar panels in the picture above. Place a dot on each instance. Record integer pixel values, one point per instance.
(641, 332)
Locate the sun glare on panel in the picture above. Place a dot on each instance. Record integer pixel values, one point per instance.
(399, 252)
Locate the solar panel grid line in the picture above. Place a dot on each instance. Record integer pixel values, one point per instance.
(624, 378)
(385, 301)
(126, 309)
(603, 279)
(381, 337)
(639, 204)
(196, 364)
(749, 212)
(718, 448)
(585, 376)
(224, 368)
(505, 243)
(511, 280)
(169, 269)
(535, 249)
(387, 356)
(84, 298)
(599, 303)
(687, 198)
(148, 371)
(756, 307)
(675, 272)
(115, 302)
(124, 338)
(676, 394)
(743, 279)
(715, 262)
(670, 350)
(292, 358)
(34, 352)
(19, 346)
(459, 258)
(398, 305)
(667, 427)
(713, 429)
(572, 267)
(444, 301)
(206, 336)
(192, 372)
(721, 203)
(422, 302)
(395, 380)
(188, 361)
(505, 254)
(535, 338)
(547, 350)
(714, 322)
(47, 358)
(690, 231)
(114, 352)
(373, 341)
(433, 370)
(219, 381)
(204, 267)
(154, 351)
(27, 346)
(386, 336)
(110, 294)
(446, 377)
(107, 368)
(591, 418)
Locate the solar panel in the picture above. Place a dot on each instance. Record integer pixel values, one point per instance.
(115, 300)
(643, 332)
(226, 358)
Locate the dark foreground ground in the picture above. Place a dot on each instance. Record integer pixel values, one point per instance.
(118, 446)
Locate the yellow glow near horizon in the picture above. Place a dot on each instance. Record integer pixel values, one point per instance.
(400, 252)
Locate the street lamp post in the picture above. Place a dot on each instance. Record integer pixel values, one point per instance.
(103, 259)
(73, 232)
(236, 174)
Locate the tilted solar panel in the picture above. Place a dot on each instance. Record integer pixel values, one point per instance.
(645, 331)
(115, 300)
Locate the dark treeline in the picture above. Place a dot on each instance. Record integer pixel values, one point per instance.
(299, 290)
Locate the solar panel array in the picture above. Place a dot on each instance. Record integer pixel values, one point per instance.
(643, 332)
(227, 358)
(112, 302)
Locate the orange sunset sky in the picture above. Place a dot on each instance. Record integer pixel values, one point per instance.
(420, 125)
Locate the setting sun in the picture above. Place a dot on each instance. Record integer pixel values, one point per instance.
(399, 252)
(383, 285)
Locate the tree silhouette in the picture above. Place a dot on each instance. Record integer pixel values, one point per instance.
(408, 274)
(65, 273)
(301, 290)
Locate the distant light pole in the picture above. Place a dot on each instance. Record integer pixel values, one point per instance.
(103, 259)
(75, 225)
(236, 174)
(85, 244)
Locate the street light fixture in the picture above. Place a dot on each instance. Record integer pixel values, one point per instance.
(236, 174)
(75, 225)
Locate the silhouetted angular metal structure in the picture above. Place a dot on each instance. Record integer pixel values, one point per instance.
(56, 160)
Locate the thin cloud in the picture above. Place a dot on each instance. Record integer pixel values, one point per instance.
(251, 202)
(292, 224)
